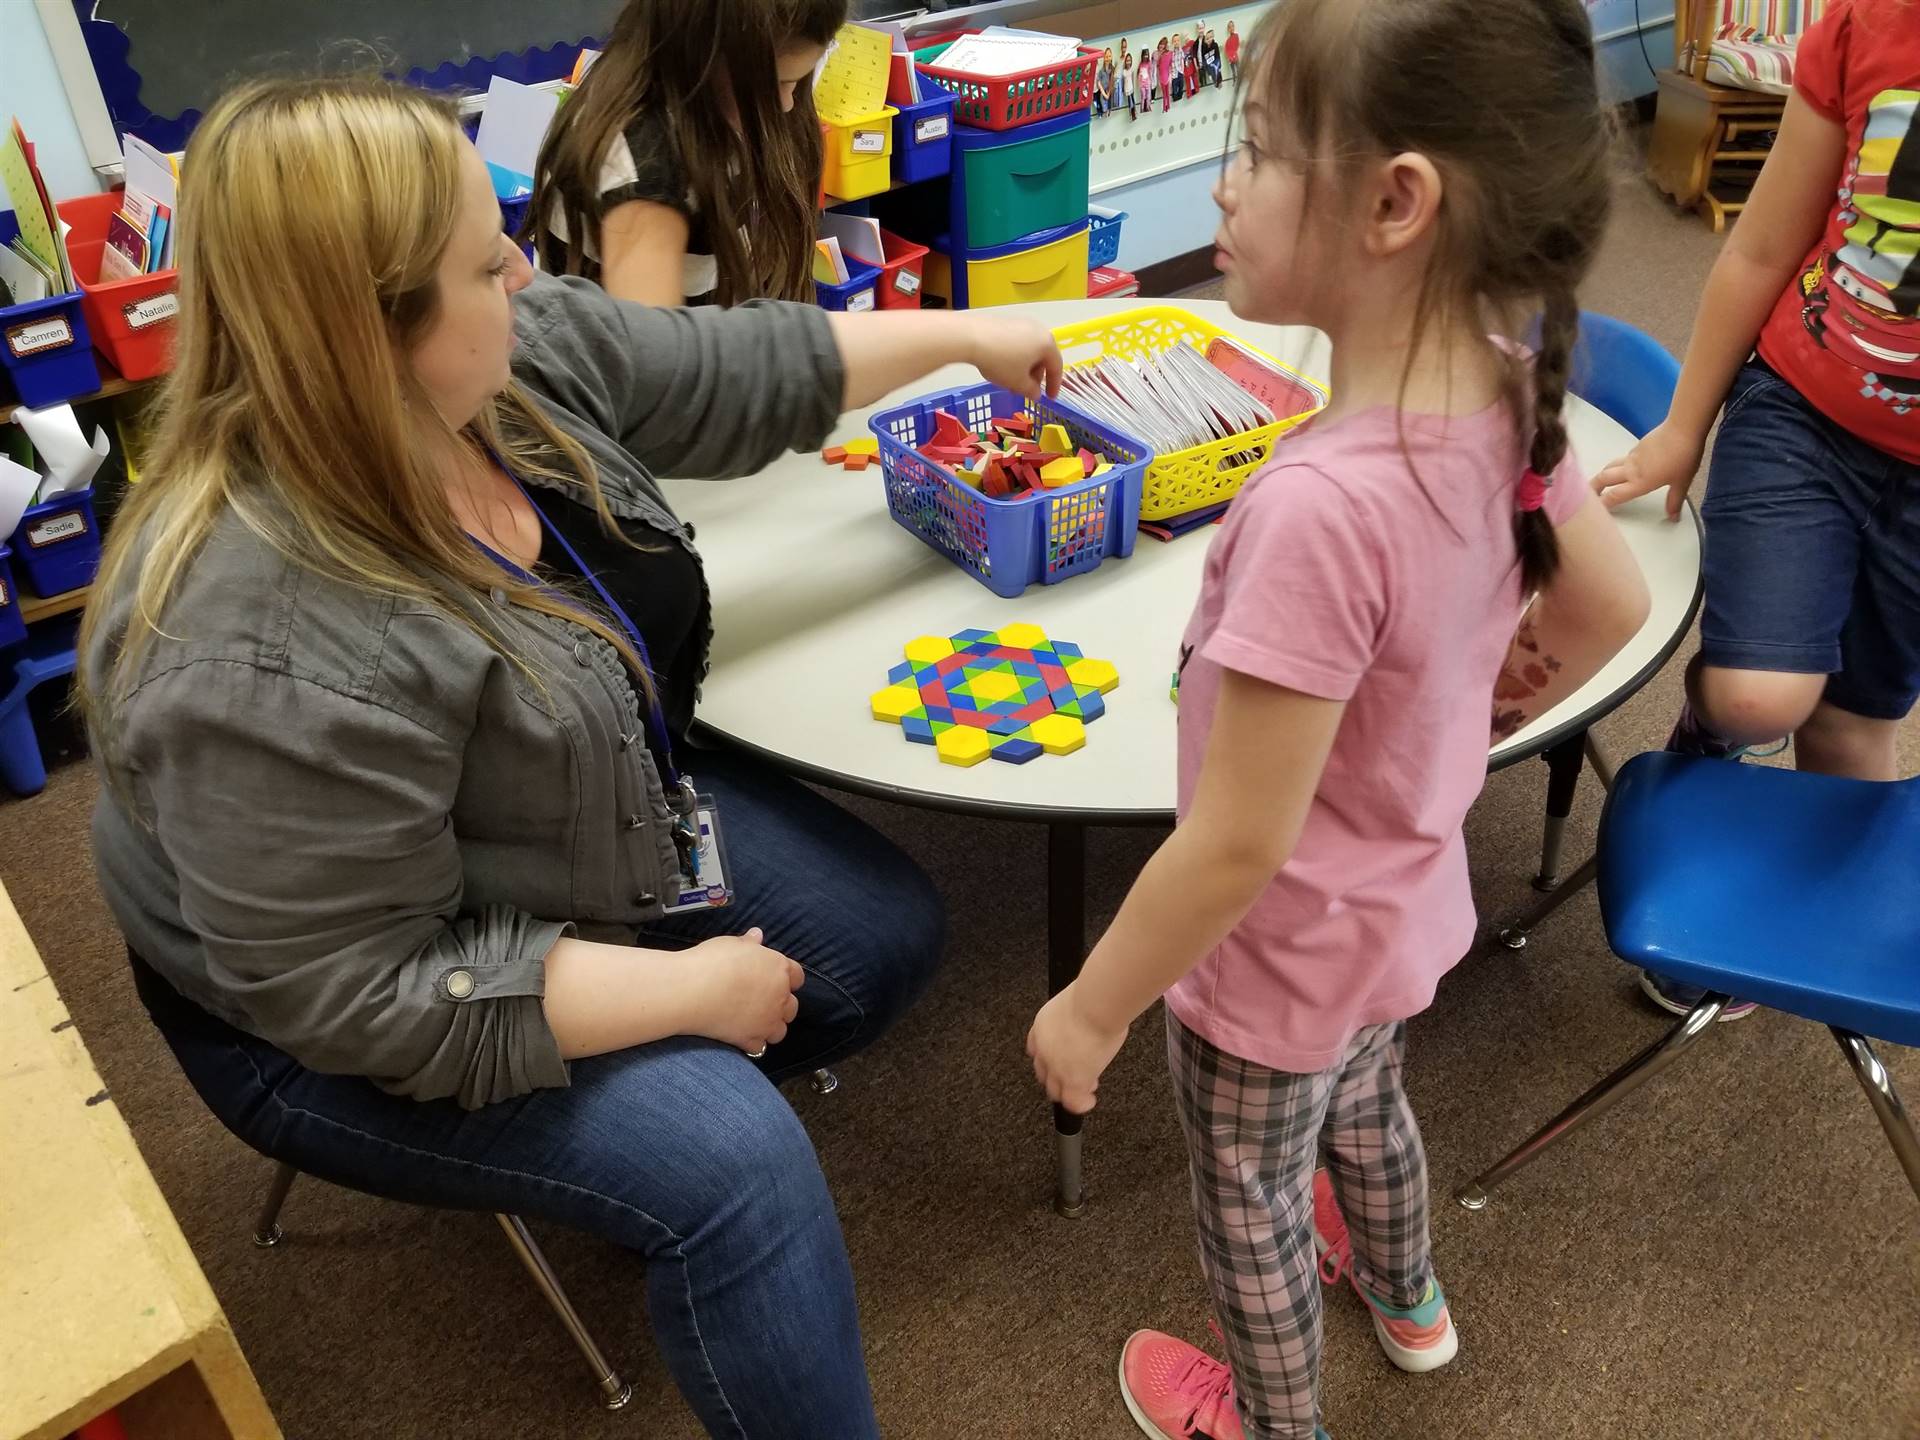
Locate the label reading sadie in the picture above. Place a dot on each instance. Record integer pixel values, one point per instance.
(39, 335)
(140, 314)
(56, 528)
(869, 142)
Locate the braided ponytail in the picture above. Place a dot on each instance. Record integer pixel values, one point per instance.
(1532, 531)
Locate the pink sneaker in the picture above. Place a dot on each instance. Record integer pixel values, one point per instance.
(1418, 1339)
(1174, 1389)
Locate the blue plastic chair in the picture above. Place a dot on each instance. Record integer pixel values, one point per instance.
(1834, 937)
(1628, 376)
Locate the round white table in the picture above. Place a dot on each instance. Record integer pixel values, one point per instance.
(816, 589)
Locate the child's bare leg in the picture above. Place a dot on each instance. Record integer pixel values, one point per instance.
(1833, 741)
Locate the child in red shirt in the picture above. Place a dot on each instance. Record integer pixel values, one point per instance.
(1807, 346)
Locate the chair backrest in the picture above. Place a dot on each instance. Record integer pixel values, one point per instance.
(1621, 371)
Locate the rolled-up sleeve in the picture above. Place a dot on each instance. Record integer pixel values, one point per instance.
(699, 393)
(313, 839)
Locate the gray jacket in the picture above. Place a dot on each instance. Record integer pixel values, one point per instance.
(344, 823)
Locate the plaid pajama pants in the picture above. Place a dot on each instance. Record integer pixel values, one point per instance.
(1254, 1138)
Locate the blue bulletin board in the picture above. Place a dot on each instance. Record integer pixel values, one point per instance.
(160, 63)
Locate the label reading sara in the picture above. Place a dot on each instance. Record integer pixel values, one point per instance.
(934, 127)
(869, 142)
(37, 336)
(140, 314)
(56, 528)
(860, 300)
(906, 282)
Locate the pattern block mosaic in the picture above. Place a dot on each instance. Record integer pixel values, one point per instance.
(1010, 693)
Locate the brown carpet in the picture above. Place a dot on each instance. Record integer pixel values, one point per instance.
(1734, 1253)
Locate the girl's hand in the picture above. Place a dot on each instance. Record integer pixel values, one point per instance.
(1070, 1051)
(1016, 354)
(743, 991)
(1667, 457)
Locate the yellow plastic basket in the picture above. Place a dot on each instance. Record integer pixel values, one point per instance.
(1207, 474)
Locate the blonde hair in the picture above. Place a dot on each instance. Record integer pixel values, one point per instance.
(313, 218)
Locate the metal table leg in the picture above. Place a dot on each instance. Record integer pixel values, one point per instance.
(1066, 949)
(1565, 761)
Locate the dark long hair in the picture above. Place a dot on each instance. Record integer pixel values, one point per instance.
(752, 168)
(1503, 98)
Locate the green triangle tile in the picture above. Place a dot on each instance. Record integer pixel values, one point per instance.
(939, 725)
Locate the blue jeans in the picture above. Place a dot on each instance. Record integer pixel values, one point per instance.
(1812, 562)
(681, 1150)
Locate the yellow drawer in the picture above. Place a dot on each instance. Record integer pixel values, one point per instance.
(859, 156)
(1055, 271)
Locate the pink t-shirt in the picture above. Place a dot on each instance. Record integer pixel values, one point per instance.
(1343, 573)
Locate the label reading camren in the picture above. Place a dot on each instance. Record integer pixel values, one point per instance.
(934, 127)
(906, 282)
(37, 336)
(860, 300)
(56, 528)
(869, 142)
(139, 314)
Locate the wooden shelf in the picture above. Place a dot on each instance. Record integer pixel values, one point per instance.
(33, 607)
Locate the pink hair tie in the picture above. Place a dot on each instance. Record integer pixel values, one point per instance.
(1533, 490)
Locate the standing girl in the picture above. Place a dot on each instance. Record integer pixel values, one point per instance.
(686, 167)
(1233, 51)
(1103, 84)
(1339, 668)
(1163, 67)
(1190, 59)
(1124, 79)
(1143, 77)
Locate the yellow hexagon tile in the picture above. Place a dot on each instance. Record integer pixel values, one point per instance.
(963, 745)
(895, 703)
(1058, 734)
(928, 649)
(1094, 674)
(1021, 635)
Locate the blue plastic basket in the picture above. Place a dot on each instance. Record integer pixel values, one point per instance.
(1103, 236)
(1008, 545)
(56, 546)
(859, 291)
(13, 627)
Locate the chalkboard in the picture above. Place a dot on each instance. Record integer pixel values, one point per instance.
(162, 62)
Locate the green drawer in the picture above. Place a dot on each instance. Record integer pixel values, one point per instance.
(1016, 185)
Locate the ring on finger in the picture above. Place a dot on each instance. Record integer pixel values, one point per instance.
(757, 1054)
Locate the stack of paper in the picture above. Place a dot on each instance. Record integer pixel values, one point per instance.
(36, 265)
(829, 264)
(64, 453)
(998, 50)
(1173, 401)
(140, 236)
(903, 80)
(512, 125)
(852, 83)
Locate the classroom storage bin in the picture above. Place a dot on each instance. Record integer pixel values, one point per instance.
(1103, 236)
(1050, 265)
(860, 290)
(1002, 102)
(903, 276)
(1012, 183)
(45, 347)
(923, 139)
(133, 320)
(13, 626)
(859, 155)
(56, 546)
(1202, 475)
(1009, 544)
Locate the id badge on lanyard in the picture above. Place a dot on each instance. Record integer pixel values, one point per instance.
(702, 883)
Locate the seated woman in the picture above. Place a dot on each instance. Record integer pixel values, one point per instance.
(389, 672)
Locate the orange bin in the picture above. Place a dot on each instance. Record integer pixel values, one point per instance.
(132, 321)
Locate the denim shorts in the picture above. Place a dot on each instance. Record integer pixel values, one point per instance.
(1812, 561)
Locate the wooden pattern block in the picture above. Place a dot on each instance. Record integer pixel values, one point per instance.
(1011, 694)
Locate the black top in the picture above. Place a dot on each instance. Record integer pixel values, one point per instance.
(659, 586)
(645, 164)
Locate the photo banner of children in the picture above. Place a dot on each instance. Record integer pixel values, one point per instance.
(1163, 95)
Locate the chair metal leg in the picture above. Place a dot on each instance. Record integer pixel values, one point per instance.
(1600, 1099)
(824, 1082)
(1517, 931)
(1878, 1084)
(614, 1392)
(1066, 950)
(1564, 764)
(266, 1231)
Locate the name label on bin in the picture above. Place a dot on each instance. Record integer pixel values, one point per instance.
(934, 127)
(906, 282)
(869, 142)
(4, 597)
(139, 314)
(860, 300)
(39, 335)
(56, 528)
